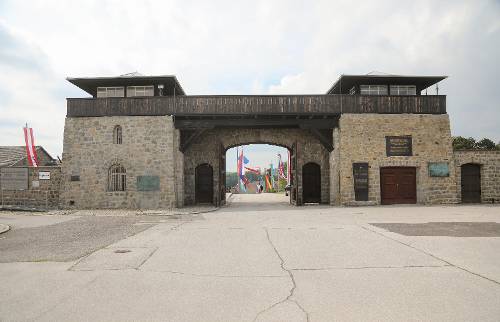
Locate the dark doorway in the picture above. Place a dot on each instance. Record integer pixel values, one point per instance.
(204, 182)
(471, 183)
(311, 183)
(398, 185)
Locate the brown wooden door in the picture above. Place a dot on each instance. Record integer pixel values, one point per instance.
(398, 185)
(311, 183)
(204, 182)
(471, 183)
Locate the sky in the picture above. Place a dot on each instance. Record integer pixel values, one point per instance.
(258, 155)
(244, 47)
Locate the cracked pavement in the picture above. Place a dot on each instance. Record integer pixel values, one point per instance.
(258, 259)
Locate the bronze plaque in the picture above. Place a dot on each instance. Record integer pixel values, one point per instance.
(360, 176)
(148, 183)
(398, 146)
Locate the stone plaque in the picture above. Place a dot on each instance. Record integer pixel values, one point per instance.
(438, 169)
(14, 178)
(398, 146)
(148, 183)
(44, 175)
(35, 184)
(360, 177)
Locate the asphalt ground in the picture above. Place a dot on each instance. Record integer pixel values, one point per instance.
(68, 240)
(257, 259)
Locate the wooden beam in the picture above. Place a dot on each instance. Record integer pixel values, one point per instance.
(185, 143)
(325, 137)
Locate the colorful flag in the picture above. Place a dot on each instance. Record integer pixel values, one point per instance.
(281, 167)
(254, 170)
(30, 147)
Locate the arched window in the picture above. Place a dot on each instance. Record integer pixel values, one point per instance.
(117, 135)
(117, 178)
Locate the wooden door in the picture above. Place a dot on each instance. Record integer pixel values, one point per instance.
(311, 183)
(398, 185)
(471, 183)
(204, 183)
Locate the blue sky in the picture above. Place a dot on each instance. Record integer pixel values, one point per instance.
(259, 155)
(244, 47)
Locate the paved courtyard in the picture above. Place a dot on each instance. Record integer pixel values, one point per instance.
(257, 259)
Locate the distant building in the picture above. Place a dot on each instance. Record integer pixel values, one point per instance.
(16, 156)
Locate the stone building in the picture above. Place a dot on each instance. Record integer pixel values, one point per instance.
(140, 142)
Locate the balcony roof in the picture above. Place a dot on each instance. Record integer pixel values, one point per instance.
(90, 84)
(346, 82)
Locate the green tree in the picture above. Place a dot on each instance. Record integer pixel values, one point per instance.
(485, 144)
(231, 179)
(461, 143)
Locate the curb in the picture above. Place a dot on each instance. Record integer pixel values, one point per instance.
(4, 228)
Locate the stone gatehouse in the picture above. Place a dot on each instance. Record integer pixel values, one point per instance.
(140, 142)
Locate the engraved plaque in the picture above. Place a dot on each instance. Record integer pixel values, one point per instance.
(398, 146)
(360, 177)
(438, 169)
(148, 183)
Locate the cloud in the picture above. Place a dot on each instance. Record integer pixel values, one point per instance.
(232, 47)
(29, 93)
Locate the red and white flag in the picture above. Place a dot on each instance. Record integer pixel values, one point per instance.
(30, 147)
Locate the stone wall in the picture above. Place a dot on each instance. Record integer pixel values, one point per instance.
(489, 162)
(205, 149)
(149, 148)
(362, 138)
(40, 194)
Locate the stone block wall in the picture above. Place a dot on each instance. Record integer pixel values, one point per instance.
(149, 148)
(206, 149)
(362, 138)
(489, 162)
(40, 194)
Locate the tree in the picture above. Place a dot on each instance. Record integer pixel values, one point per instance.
(461, 143)
(485, 144)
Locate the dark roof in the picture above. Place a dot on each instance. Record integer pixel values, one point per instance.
(90, 84)
(12, 154)
(346, 82)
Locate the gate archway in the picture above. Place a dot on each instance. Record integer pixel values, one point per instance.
(471, 183)
(311, 183)
(204, 183)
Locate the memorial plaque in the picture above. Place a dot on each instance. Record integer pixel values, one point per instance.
(44, 175)
(438, 169)
(14, 178)
(360, 176)
(148, 183)
(398, 146)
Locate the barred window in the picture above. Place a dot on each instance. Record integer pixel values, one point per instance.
(117, 135)
(117, 178)
(373, 89)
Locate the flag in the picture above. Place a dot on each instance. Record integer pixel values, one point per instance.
(281, 167)
(30, 147)
(254, 170)
(242, 160)
(289, 169)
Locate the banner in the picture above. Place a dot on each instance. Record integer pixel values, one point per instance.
(30, 147)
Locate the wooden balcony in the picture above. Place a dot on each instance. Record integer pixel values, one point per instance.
(255, 105)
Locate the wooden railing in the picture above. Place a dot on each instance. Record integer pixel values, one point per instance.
(256, 105)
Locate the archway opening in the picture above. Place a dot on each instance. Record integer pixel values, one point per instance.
(258, 173)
